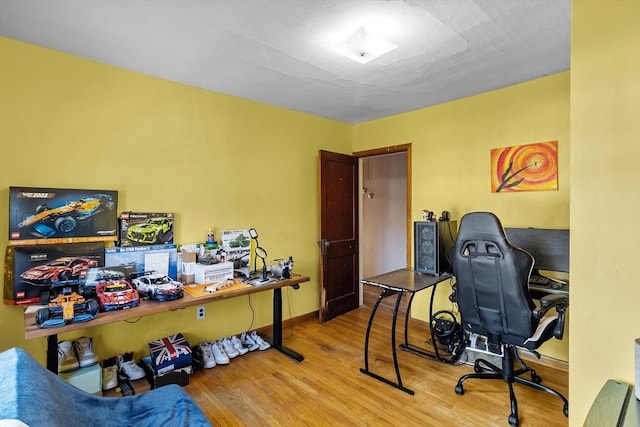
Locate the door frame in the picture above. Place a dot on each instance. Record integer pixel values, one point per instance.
(386, 150)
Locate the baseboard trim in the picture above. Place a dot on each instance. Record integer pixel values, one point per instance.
(268, 329)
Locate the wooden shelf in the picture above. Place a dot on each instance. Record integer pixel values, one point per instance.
(147, 308)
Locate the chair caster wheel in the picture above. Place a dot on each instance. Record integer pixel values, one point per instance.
(513, 420)
(459, 389)
(536, 378)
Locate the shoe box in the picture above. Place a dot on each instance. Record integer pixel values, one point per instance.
(145, 228)
(169, 362)
(45, 213)
(170, 353)
(36, 267)
(88, 379)
(179, 376)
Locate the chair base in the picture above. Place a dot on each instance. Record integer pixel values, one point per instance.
(507, 373)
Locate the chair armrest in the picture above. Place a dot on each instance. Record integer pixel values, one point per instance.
(552, 300)
(560, 302)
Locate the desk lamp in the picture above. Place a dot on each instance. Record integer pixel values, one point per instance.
(262, 254)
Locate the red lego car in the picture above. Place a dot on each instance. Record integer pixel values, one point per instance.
(117, 294)
(61, 269)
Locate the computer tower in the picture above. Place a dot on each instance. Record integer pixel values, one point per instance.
(426, 247)
(432, 245)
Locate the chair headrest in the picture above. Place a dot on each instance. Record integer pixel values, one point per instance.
(481, 225)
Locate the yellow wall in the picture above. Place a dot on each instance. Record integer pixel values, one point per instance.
(215, 160)
(450, 156)
(76, 123)
(605, 197)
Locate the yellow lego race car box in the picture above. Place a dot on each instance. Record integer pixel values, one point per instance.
(46, 213)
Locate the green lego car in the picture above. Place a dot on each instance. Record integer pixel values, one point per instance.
(150, 232)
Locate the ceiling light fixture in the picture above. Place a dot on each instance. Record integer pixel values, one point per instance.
(363, 47)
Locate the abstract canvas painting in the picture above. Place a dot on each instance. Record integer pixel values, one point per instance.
(530, 167)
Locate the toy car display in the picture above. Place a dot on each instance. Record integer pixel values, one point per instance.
(67, 307)
(60, 269)
(47, 221)
(151, 231)
(117, 294)
(158, 287)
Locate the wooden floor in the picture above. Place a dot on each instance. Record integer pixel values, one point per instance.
(327, 389)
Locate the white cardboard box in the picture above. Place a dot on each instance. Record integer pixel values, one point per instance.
(213, 273)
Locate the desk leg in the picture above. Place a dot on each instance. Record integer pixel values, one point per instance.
(276, 342)
(366, 370)
(52, 353)
(415, 349)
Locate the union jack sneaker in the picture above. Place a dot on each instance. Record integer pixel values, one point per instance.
(127, 366)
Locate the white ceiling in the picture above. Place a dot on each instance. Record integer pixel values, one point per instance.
(279, 51)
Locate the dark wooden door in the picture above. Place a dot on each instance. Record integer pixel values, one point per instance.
(339, 286)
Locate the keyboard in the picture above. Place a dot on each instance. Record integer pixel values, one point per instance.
(540, 280)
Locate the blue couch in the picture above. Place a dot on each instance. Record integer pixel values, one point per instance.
(32, 394)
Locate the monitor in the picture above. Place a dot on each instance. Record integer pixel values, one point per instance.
(447, 234)
(549, 247)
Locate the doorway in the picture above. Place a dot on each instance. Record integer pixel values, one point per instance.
(384, 213)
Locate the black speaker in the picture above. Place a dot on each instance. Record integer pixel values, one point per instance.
(426, 248)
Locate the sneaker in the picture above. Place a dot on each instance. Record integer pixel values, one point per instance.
(229, 348)
(218, 353)
(208, 361)
(262, 344)
(237, 344)
(248, 342)
(83, 347)
(127, 366)
(67, 359)
(109, 373)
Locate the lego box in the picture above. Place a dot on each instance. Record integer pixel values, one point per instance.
(163, 259)
(141, 228)
(170, 353)
(43, 213)
(39, 270)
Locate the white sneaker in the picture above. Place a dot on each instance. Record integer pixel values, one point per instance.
(127, 366)
(218, 353)
(237, 344)
(208, 361)
(83, 347)
(248, 342)
(109, 373)
(67, 359)
(229, 348)
(262, 344)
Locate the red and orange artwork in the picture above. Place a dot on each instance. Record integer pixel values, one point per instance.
(531, 167)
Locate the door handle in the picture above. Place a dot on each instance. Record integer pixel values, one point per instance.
(324, 244)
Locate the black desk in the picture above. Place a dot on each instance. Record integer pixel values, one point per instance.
(400, 282)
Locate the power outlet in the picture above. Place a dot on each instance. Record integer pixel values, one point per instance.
(200, 312)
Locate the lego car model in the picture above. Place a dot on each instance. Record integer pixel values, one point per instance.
(116, 295)
(151, 231)
(158, 287)
(48, 220)
(67, 307)
(60, 269)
